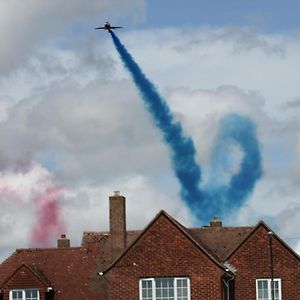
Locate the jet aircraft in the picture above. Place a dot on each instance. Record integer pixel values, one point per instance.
(108, 27)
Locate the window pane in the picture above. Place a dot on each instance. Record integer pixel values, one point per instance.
(165, 292)
(182, 289)
(17, 295)
(262, 290)
(164, 288)
(171, 292)
(147, 290)
(31, 294)
(276, 290)
(158, 293)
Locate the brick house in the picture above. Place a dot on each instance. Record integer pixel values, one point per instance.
(165, 261)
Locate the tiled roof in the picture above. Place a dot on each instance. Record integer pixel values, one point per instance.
(39, 274)
(219, 241)
(90, 237)
(70, 271)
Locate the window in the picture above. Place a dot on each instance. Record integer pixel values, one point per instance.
(28, 294)
(175, 288)
(263, 289)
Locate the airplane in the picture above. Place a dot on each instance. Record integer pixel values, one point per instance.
(108, 27)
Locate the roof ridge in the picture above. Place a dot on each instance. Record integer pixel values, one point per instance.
(108, 232)
(94, 231)
(45, 249)
(223, 227)
(39, 273)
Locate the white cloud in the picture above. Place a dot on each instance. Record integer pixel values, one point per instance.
(73, 114)
(6, 103)
(209, 58)
(27, 25)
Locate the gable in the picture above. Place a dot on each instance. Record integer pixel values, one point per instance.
(22, 278)
(164, 250)
(165, 242)
(259, 238)
(254, 254)
(252, 260)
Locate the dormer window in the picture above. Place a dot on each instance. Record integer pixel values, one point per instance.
(24, 294)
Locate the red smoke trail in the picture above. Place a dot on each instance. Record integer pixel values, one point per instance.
(49, 223)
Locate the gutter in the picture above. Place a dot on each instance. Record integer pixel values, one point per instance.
(226, 283)
(230, 277)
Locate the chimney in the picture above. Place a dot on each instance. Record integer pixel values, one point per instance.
(63, 242)
(117, 223)
(216, 222)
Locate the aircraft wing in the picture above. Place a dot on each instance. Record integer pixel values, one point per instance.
(100, 28)
(114, 27)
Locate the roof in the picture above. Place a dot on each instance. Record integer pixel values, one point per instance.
(76, 279)
(219, 242)
(103, 238)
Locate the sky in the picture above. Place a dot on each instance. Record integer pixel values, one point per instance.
(73, 128)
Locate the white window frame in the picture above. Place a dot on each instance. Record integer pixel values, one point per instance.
(23, 293)
(175, 286)
(269, 280)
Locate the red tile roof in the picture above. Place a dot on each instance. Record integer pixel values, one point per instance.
(218, 241)
(70, 271)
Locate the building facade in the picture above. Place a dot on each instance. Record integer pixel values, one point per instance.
(165, 261)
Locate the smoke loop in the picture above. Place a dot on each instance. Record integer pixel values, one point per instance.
(212, 199)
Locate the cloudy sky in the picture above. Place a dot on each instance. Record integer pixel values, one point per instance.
(73, 128)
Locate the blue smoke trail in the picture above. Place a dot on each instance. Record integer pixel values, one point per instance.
(241, 130)
(182, 148)
(238, 131)
(203, 203)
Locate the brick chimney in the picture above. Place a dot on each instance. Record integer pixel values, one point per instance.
(63, 242)
(117, 223)
(216, 222)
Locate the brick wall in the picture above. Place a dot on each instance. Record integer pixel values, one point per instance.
(252, 261)
(23, 279)
(164, 251)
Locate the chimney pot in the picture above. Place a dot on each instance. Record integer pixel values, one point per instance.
(63, 242)
(216, 222)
